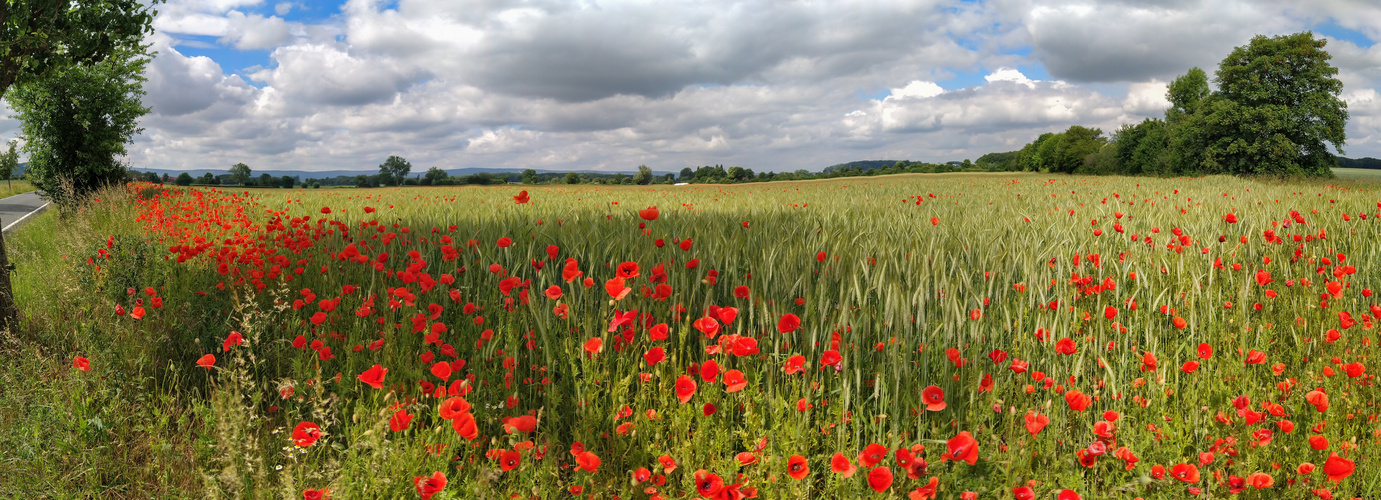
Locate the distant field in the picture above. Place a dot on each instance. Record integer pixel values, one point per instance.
(1358, 173)
(911, 336)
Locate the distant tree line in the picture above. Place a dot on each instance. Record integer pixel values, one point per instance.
(1275, 112)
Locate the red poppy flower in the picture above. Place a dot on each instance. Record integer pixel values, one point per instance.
(1317, 398)
(741, 291)
(795, 364)
(840, 465)
(207, 361)
(1066, 346)
(521, 424)
(709, 371)
(454, 407)
(707, 325)
(1023, 493)
(1068, 495)
(797, 467)
(830, 358)
(928, 490)
(649, 213)
(374, 376)
(872, 454)
(1179, 322)
(306, 433)
(685, 244)
(668, 463)
(707, 484)
(400, 421)
(1231, 218)
(789, 323)
(880, 478)
(1338, 468)
(1188, 473)
(465, 425)
(962, 448)
(734, 381)
(429, 486)
(317, 494)
(522, 197)
(81, 363)
(509, 460)
(1035, 423)
(654, 356)
(1260, 480)
(934, 398)
(685, 388)
(442, 370)
(1077, 400)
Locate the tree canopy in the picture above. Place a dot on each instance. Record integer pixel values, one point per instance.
(1276, 111)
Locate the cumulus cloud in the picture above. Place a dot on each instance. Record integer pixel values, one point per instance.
(613, 84)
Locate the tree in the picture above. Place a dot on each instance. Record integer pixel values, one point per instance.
(76, 122)
(1276, 110)
(362, 181)
(393, 170)
(1185, 93)
(9, 162)
(529, 176)
(644, 175)
(572, 178)
(38, 37)
(287, 182)
(267, 181)
(435, 177)
(240, 172)
(687, 174)
(152, 177)
(184, 179)
(1075, 144)
(208, 179)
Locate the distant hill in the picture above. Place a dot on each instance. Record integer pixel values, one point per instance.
(1367, 162)
(325, 174)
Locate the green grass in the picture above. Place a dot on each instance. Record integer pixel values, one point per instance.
(895, 289)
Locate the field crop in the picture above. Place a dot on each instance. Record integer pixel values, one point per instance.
(925, 336)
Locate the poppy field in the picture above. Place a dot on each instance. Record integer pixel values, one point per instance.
(918, 336)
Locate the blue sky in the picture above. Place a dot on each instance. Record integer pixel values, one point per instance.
(608, 85)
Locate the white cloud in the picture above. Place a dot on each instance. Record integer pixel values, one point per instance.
(614, 84)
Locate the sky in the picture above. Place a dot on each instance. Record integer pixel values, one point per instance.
(772, 85)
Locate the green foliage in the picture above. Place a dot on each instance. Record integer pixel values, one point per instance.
(529, 176)
(9, 161)
(1185, 93)
(184, 179)
(1276, 112)
(393, 170)
(644, 176)
(76, 122)
(286, 182)
(572, 178)
(39, 37)
(240, 173)
(687, 174)
(1277, 109)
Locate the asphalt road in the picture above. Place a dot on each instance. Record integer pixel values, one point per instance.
(18, 207)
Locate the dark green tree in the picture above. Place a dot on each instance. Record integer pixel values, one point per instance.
(1276, 111)
(687, 174)
(572, 178)
(1076, 143)
(1185, 93)
(241, 173)
(393, 170)
(529, 176)
(9, 162)
(184, 179)
(76, 122)
(286, 182)
(435, 177)
(267, 181)
(644, 175)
